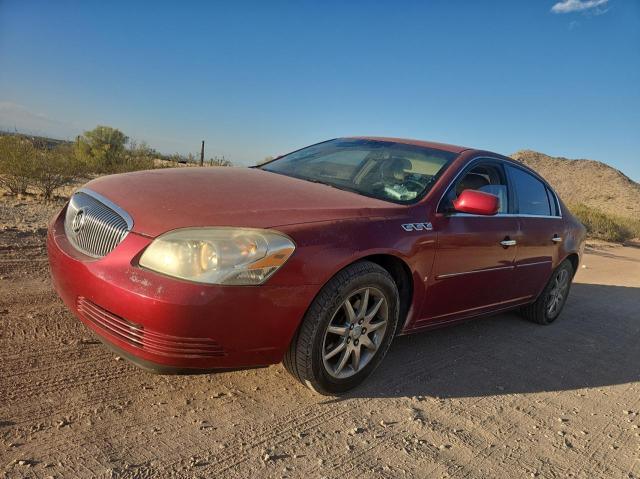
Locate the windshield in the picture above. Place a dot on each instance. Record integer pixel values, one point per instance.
(381, 169)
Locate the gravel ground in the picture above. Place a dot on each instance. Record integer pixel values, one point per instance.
(495, 397)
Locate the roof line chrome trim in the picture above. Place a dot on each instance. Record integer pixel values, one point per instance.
(451, 275)
(107, 202)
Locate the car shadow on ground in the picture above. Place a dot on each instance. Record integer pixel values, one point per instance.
(595, 342)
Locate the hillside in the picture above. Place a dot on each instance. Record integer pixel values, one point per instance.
(589, 182)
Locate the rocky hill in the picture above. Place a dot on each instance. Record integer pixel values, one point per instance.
(589, 182)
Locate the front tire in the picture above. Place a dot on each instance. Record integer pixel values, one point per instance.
(548, 306)
(347, 330)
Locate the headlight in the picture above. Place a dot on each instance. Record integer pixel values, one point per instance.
(240, 256)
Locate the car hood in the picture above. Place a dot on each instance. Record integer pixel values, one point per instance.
(166, 199)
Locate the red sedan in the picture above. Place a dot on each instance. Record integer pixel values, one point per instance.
(318, 258)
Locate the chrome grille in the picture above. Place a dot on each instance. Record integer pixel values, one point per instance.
(94, 225)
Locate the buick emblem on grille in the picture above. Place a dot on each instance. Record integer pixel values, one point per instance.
(78, 221)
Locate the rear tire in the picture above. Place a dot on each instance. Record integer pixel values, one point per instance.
(346, 331)
(548, 306)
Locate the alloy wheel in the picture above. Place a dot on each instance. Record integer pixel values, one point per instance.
(355, 333)
(558, 293)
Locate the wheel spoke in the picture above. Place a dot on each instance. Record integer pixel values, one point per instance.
(553, 303)
(343, 361)
(355, 359)
(374, 310)
(375, 326)
(351, 314)
(364, 303)
(335, 351)
(366, 342)
(339, 330)
(564, 277)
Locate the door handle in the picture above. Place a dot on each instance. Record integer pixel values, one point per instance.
(508, 242)
(556, 239)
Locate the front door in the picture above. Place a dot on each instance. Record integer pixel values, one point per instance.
(474, 261)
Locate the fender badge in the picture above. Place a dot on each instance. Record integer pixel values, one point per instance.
(417, 227)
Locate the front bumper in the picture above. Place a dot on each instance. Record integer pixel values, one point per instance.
(171, 325)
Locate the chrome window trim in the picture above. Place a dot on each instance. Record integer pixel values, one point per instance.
(501, 215)
(107, 202)
(504, 215)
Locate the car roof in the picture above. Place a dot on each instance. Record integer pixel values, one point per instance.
(426, 144)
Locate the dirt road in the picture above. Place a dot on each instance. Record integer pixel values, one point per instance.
(497, 397)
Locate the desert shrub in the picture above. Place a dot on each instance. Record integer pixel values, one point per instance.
(134, 163)
(605, 226)
(56, 168)
(220, 162)
(139, 156)
(17, 162)
(102, 149)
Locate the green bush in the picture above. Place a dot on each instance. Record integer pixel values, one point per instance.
(102, 149)
(605, 226)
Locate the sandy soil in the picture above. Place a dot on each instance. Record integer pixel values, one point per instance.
(496, 397)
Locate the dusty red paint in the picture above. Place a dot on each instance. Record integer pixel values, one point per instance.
(331, 229)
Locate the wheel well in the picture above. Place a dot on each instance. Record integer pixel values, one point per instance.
(574, 258)
(401, 274)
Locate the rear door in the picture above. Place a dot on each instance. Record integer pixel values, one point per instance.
(474, 259)
(539, 232)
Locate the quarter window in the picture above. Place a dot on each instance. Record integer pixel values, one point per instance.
(531, 193)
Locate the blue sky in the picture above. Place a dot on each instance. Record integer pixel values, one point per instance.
(262, 78)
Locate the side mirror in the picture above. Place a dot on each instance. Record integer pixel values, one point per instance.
(477, 203)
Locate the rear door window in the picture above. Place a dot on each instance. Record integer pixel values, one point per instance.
(531, 193)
